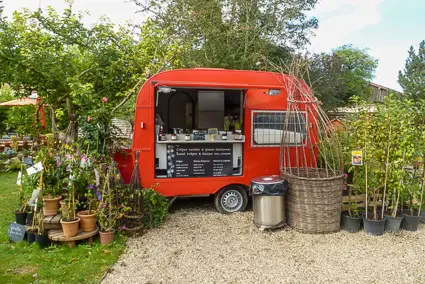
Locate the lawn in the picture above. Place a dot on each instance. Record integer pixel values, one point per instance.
(24, 263)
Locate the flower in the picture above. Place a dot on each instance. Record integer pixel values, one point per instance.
(89, 118)
(98, 195)
(105, 99)
(58, 162)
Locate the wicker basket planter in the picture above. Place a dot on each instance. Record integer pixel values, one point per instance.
(314, 200)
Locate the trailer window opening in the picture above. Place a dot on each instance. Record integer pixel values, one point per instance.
(186, 113)
(267, 128)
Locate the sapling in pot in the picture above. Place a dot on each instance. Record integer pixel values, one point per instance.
(70, 222)
(21, 212)
(88, 217)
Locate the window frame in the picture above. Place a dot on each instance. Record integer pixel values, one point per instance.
(254, 145)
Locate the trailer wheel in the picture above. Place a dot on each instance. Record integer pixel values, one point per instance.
(231, 199)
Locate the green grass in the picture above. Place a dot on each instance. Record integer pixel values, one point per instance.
(24, 263)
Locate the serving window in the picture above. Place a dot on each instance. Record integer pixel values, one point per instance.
(199, 132)
(267, 128)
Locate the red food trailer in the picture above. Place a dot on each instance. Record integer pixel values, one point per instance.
(210, 132)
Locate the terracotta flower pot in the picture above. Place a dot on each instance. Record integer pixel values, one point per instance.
(106, 237)
(70, 228)
(87, 221)
(51, 205)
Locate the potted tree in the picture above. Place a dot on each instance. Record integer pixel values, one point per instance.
(369, 140)
(41, 237)
(352, 220)
(21, 212)
(411, 216)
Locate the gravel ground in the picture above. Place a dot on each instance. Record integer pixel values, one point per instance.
(199, 245)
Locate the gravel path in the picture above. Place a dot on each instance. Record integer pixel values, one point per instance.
(199, 245)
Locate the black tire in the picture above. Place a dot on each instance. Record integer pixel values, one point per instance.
(230, 199)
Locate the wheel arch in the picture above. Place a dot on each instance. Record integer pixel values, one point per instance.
(244, 186)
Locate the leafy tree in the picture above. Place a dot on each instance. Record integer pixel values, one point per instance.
(22, 120)
(412, 79)
(342, 74)
(5, 95)
(235, 34)
(73, 67)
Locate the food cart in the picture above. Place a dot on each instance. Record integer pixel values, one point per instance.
(206, 132)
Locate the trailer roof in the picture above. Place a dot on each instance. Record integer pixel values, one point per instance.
(219, 78)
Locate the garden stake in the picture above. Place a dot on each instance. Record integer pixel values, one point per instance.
(398, 193)
(365, 168)
(386, 174)
(422, 187)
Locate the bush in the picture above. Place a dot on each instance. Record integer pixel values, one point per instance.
(14, 165)
(155, 208)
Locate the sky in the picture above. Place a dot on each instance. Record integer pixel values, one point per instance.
(387, 28)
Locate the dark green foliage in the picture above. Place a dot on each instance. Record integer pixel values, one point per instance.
(236, 34)
(155, 208)
(412, 79)
(342, 74)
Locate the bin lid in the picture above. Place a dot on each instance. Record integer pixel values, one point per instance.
(274, 179)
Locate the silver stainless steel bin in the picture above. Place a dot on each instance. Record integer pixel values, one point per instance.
(268, 198)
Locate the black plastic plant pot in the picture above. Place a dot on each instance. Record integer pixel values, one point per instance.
(30, 215)
(392, 224)
(410, 223)
(373, 227)
(31, 237)
(42, 240)
(423, 217)
(21, 217)
(351, 224)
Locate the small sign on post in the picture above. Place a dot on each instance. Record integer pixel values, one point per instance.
(16, 232)
(28, 161)
(357, 158)
(35, 169)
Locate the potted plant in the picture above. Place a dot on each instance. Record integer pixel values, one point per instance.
(363, 128)
(411, 216)
(70, 222)
(351, 221)
(21, 212)
(108, 210)
(41, 236)
(52, 180)
(88, 217)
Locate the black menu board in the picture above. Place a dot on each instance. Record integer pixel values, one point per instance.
(199, 160)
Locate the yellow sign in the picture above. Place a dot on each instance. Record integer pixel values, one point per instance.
(357, 158)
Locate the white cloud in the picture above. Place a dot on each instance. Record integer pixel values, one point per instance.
(342, 22)
(338, 19)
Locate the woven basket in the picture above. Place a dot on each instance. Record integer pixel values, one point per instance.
(314, 201)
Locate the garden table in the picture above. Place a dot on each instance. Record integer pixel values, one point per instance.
(58, 236)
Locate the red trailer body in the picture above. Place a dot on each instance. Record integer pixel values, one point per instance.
(263, 92)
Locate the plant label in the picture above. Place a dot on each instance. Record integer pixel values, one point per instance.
(19, 180)
(34, 197)
(28, 161)
(357, 158)
(35, 169)
(16, 232)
